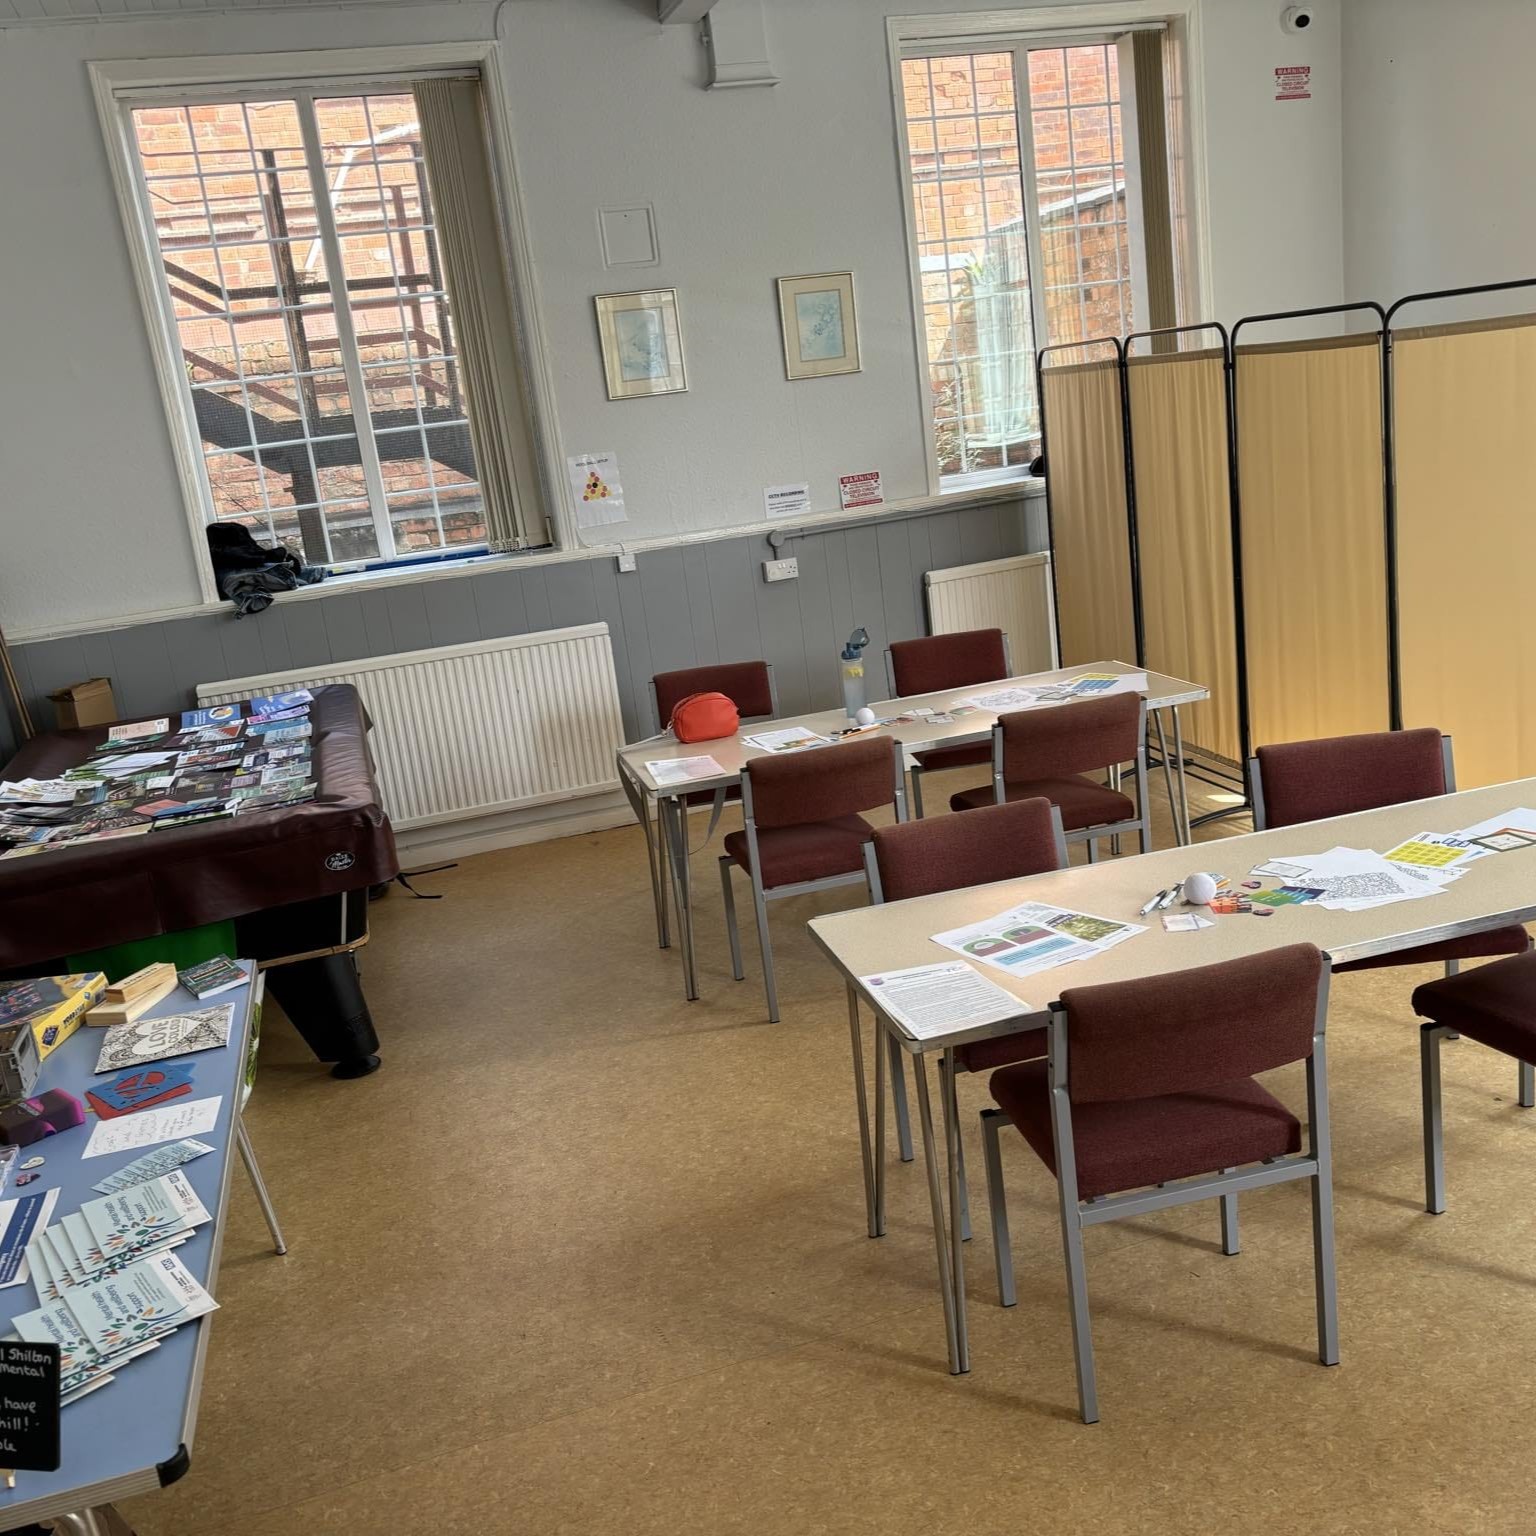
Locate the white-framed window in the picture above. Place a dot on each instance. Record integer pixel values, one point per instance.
(1032, 221)
(333, 309)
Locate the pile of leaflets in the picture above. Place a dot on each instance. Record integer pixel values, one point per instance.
(109, 1283)
(221, 761)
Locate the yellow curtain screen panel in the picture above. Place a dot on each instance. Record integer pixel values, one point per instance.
(1314, 544)
(1085, 459)
(1465, 408)
(1184, 535)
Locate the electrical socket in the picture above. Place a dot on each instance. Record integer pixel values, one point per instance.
(626, 560)
(781, 570)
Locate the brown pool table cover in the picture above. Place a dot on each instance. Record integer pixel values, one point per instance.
(77, 898)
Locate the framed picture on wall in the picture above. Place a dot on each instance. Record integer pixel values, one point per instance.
(821, 334)
(642, 343)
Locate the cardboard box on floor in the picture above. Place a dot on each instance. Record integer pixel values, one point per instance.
(87, 703)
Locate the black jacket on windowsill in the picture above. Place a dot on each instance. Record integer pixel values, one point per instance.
(248, 573)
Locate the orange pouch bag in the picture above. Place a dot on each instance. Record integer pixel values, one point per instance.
(704, 717)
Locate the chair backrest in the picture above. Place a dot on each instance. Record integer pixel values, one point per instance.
(1070, 738)
(1339, 775)
(824, 782)
(747, 684)
(948, 661)
(948, 853)
(1194, 1029)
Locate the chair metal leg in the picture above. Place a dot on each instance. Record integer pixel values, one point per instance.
(1430, 1036)
(952, 1108)
(899, 1100)
(728, 895)
(917, 792)
(765, 948)
(1231, 1240)
(1527, 1086)
(1093, 850)
(992, 1123)
(1077, 1301)
(263, 1199)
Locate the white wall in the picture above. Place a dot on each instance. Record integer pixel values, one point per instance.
(607, 107)
(1439, 130)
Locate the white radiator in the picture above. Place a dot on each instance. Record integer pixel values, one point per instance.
(1013, 595)
(469, 730)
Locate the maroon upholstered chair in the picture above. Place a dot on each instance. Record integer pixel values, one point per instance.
(921, 858)
(1343, 775)
(933, 664)
(1048, 753)
(747, 684)
(1494, 1005)
(1149, 1087)
(803, 830)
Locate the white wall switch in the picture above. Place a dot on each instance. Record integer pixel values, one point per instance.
(626, 560)
(781, 570)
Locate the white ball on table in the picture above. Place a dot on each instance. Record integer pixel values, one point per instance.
(865, 716)
(1198, 890)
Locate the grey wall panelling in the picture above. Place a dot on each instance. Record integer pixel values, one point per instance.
(684, 605)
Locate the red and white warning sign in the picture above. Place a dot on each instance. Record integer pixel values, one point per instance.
(1293, 82)
(860, 490)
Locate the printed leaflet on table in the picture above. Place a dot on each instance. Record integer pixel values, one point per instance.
(928, 1000)
(1036, 936)
(668, 771)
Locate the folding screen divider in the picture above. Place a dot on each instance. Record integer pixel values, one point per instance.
(1089, 506)
(1179, 427)
(1462, 405)
(1315, 541)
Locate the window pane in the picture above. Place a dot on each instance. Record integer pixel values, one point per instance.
(269, 361)
(968, 203)
(1079, 183)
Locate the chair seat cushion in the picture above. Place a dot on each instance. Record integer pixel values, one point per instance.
(1495, 1004)
(1513, 940)
(966, 755)
(813, 850)
(1001, 1051)
(1128, 1143)
(1082, 802)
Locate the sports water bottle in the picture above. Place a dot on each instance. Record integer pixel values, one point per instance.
(851, 661)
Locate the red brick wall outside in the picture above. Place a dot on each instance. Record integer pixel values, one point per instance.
(253, 173)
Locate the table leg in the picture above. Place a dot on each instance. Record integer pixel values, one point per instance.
(1178, 759)
(640, 805)
(856, 1039)
(674, 822)
(1173, 796)
(958, 1364)
(882, 1066)
(958, 1214)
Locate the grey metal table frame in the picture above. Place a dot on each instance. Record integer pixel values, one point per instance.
(1360, 935)
(666, 842)
(154, 1400)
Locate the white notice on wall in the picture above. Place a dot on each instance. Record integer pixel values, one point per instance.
(786, 500)
(860, 490)
(596, 489)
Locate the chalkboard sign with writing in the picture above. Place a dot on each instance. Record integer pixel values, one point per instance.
(29, 1407)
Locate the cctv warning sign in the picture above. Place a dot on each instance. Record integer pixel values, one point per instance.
(1293, 82)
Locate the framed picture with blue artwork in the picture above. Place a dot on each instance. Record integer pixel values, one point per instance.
(821, 335)
(642, 343)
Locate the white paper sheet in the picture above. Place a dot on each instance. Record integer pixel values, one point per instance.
(931, 1000)
(143, 1128)
(680, 770)
(789, 738)
(1521, 819)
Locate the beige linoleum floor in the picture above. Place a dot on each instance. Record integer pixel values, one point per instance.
(586, 1259)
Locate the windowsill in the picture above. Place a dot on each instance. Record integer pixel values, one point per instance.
(356, 583)
(986, 479)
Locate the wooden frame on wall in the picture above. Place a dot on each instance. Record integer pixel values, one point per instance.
(819, 325)
(642, 343)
